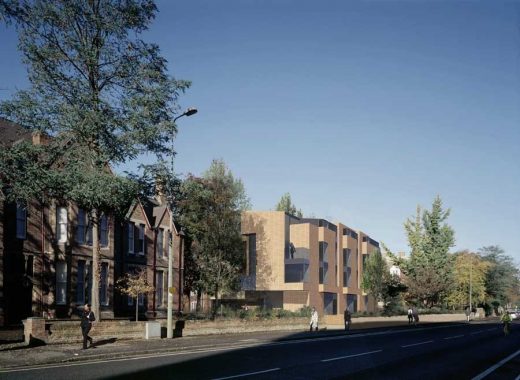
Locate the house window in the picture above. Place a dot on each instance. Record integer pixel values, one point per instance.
(140, 241)
(103, 285)
(323, 262)
(61, 224)
(159, 279)
(81, 228)
(103, 231)
(21, 221)
(61, 283)
(131, 238)
(80, 283)
(160, 243)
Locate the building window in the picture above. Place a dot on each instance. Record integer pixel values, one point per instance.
(81, 228)
(61, 224)
(324, 264)
(21, 221)
(140, 241)
(347, 270)
(160, 243)
(103, 231)
(159, 278)
(61, 283)
(330, 303)
(103, 285)
(130, 238)
(141, 299)
(80, 283)
(352, 303)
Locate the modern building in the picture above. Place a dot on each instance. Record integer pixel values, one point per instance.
(46, 254)
(294, 262)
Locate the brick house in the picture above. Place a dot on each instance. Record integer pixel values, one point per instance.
(46, 254)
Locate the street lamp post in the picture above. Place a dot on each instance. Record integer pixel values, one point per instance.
(169, 325)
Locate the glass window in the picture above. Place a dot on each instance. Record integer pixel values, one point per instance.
(103, 231)
(21, 221)
(130, 239)
(80, 283)
(160, 243)
(323, 262)
(81, 226)
(61, 283)
(141, 240)
(61, 225)
(103, 284)
(159, 279)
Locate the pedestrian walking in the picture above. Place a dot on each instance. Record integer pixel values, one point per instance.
(314, 320)
(410, 315)
(86, 324)
(347, 316)
(415, 315)
(467, 311)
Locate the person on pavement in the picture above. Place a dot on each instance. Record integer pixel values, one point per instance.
(410, 315)
(415, 315)
(314, 319)
(86, 324)
(347, 318)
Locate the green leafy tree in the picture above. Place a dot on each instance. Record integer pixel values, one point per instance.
(134, 285)
(375, 270)
(210, 211)
(100, 91)
(502, 278)
(285, 204)
(470, 271)
(428, 272)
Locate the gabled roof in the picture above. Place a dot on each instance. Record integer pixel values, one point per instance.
(11, 133)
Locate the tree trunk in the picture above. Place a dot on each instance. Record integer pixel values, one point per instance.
(137, 308)
(94, 299)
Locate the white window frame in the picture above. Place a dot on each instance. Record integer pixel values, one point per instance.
(61, 224)
(21, 221)
(61, 282)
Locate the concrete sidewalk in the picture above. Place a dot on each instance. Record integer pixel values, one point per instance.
(19, 355)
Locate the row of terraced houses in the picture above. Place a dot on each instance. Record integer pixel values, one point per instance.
(46, 255)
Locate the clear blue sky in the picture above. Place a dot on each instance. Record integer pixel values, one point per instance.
(360, 110)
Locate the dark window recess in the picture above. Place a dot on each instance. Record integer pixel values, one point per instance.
(323, 262)
(103, 285)
(80, 283)
(349, 232)
(330, 303)
(352, 303)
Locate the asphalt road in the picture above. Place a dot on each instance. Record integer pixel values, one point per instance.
(456, 351)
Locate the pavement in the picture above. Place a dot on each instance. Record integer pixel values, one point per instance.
(17, 355)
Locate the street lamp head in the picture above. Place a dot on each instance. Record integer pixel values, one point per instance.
(190, 111)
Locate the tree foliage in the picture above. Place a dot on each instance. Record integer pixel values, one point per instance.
(101, 92)
(502, 280)
(428, 273)
(133, 285)
(375, 270)
(285, 204)
(469, 268)
(210, 210)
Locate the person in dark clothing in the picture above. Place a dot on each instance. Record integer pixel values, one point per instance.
(347, 316)
(86, 324)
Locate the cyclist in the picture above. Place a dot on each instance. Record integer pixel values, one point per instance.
(506, 320)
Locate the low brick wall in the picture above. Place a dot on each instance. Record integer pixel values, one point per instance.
(337, 320)
(223, 326)
(38, 330)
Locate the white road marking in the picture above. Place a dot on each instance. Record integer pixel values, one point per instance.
(494, 367)
(351, 356)
(454, 337)
(493, 329)
(477, 332)
(247, 374)
(417, 344)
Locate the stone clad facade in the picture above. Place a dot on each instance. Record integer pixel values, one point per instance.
(294, 262)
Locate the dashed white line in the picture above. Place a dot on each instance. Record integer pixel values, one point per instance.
(454, 337)
(351, 356)
(247, 374)
(494, 367)
(417, 344)
(477, 332)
